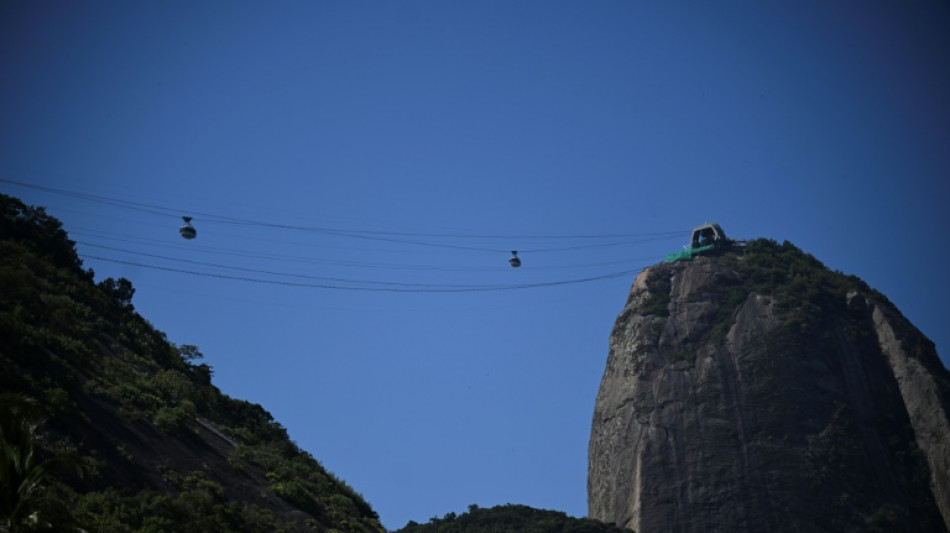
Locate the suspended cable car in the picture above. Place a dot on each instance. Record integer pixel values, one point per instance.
(513, 260)
(187, 230)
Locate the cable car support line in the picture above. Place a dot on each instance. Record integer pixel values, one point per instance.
(431, 289)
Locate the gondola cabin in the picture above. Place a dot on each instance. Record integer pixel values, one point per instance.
(187, 231)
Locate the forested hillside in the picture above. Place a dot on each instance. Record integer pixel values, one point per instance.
(109, 427)
(510, 519)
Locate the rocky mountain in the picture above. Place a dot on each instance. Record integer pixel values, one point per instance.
(753, 389)
(153, 445)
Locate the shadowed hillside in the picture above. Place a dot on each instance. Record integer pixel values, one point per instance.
(155, 445)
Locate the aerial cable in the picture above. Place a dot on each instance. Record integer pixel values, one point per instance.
(269, 257)
(603, 245)
(210, 217)
(114, 237)
(468, 248)
(126, 204)
(232, 220)
(379, 233)
(164, 243)
(254, 270)
(384, 237)
(432, 289)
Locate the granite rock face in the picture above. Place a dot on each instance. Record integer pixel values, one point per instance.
(747, 392)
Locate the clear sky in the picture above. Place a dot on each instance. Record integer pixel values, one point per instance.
(394, 148)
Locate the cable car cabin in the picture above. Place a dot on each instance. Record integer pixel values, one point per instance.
(705, 238)
(187, 231)
(514, 261)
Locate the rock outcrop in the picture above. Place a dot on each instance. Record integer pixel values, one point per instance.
(759, 391)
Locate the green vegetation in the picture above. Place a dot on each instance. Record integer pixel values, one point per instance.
(796, 278)
(125, 399)
(687, 355)
(28, 499)
(510, 519)
(805, 292)
(658, 301)
(198, 505)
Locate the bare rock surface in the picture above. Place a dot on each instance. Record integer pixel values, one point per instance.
(761, 393)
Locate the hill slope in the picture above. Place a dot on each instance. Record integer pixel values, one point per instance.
(161, 448)
(510, 519)
(759, 391)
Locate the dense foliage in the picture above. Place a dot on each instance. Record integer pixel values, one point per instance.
(798, 279)
(510, 519)
(28, 500)
(805, 291)
(139, 413)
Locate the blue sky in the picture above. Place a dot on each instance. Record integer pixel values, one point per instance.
(411, 145)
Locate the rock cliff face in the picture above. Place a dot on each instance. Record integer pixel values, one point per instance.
(758, 391)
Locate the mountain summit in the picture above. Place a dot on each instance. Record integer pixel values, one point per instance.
(754, 389)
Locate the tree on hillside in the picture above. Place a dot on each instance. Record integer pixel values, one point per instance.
(26, 501)
(30, 224)
(510, 518)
